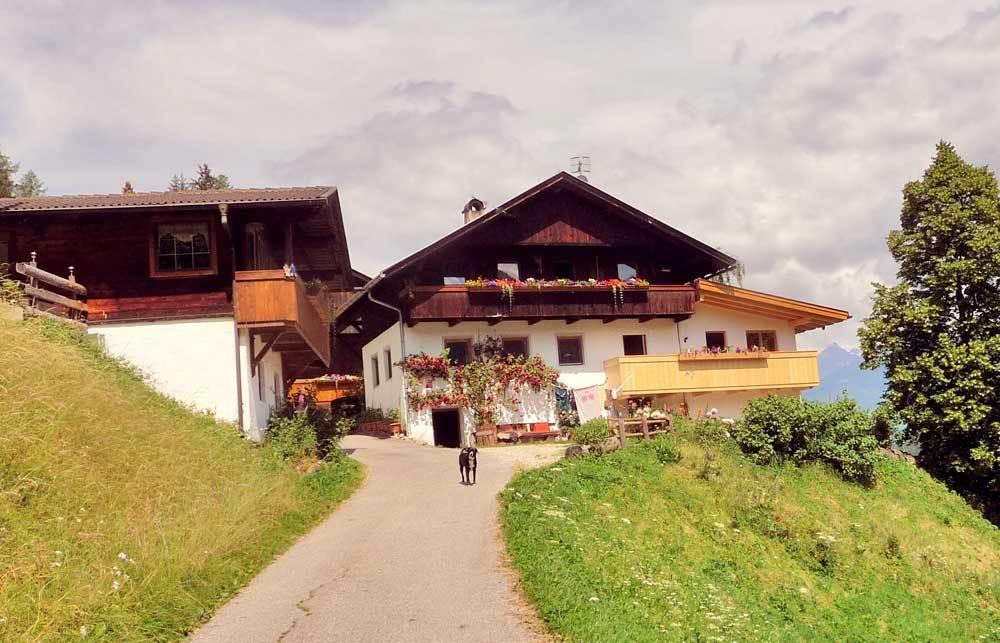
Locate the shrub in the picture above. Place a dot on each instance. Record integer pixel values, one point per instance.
(392, 415)
(592, 433)
(291, 439)
(371, 414)
(664, 448)
(10, 290)
(837, 433)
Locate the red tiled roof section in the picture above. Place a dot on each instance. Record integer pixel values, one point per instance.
(153, 199)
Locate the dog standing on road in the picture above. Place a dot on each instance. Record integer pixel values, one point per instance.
(467, 464)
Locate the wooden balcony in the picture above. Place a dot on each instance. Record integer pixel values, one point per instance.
(659, 374)
(278, 310)
(461, 303)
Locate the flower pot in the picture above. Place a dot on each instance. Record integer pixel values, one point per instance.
(396, 428)
(539, 427)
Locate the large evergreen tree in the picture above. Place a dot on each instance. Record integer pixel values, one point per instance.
(29, 185)
(207, 181)
(937, 332)
(178, 183)
(8, 169)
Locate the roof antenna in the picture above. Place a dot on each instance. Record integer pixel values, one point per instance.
(580, 165)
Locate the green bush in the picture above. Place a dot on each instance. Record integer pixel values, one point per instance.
(664, 448)
(291, 439)
(592, 433)
(837, 433)
(371, 414)
(10, 290)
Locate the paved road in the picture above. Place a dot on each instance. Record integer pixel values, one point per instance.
(412, 556)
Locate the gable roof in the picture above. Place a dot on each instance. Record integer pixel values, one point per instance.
(718, 258)
(801, 315)
(163, 199)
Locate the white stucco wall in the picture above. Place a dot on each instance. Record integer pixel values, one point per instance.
(735, 325)
(600, 342)
(263, 391)
(192, 361)
(388, 394)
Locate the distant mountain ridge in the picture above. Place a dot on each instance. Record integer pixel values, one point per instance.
(840, 371)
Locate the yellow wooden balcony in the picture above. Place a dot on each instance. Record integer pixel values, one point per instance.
(660, 374)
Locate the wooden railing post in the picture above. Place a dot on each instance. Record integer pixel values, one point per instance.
(645, 428)
(621, 432)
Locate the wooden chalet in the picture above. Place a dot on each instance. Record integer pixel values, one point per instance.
(222, 297)
(604, 292)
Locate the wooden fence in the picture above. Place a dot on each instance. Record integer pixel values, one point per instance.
(43, 302)
(644, 427)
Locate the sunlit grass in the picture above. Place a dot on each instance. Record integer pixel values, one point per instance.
(124, 516)
(714, 548)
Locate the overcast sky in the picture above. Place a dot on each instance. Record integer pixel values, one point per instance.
(781, 132)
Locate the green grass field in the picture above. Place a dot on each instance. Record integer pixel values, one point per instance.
(124, 516)
(623, 548)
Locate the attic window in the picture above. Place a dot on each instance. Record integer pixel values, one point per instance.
(182, 249)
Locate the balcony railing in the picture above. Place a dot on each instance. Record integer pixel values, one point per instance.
(458, 303)
(273, 305)
(659, 374)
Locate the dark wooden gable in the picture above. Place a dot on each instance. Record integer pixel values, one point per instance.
(563, 217)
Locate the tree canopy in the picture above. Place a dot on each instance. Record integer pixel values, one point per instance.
(8, 170)
(204, 180)
(29, 185)
(937, 331)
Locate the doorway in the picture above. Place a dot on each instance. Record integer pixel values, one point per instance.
(447, 428)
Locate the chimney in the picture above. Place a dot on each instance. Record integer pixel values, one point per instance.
(473, 210)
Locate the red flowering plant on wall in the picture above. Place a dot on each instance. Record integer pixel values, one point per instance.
(507, 286)
(488, 381)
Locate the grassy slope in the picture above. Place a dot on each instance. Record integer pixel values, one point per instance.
(626, 549)
(95, 466)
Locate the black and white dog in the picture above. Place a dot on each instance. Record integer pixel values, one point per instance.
(467, 464)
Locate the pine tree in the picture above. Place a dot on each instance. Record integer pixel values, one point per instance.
(29, 186)
(178, 183)
(937, 332)
(207, 181)
(8, 169)
(127, 188)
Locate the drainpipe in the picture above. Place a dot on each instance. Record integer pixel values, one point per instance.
(224, 217)
(403, 410)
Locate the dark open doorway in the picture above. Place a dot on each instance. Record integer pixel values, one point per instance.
(447, 428)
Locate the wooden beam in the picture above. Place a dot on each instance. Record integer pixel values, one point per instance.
(28, 270)
(608, 320)
(643, 320)
(454, 322)
(256, 359)
(53, 298)
(572, 320)
(494, 321)
(532, 322)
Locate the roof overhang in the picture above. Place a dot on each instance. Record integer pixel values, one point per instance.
(801, 315)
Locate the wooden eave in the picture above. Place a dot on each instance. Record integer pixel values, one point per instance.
(801, 315)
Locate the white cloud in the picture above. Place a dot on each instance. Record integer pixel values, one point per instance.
(780, 131)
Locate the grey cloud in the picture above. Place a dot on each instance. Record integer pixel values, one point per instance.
(829, 18)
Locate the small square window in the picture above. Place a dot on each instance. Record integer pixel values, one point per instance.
(387, 353)
(508, 271)
(715, 339)
(634, 344)
(459, 350)
(454, 281)
(570, 350)
(766, 340)
(375, 378)
(515, 346)
(626, 271)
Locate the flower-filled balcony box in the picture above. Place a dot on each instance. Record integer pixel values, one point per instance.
(738, 353)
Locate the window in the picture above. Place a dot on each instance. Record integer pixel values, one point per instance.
(763, 339)
(508, 271)
(375, 378)
(563, 269)
(570, 350)
(182, 249)
(459, 350)
(715, 339)
(626, 271)
(387, 353)
(515, 346)
(5, 249)
(634, 344)
(454, 281)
